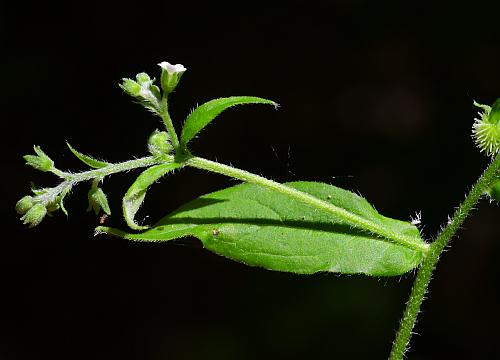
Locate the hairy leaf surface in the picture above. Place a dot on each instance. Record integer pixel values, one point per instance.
(88, 160)
(204, 114)
(259, 227)
(135, 195)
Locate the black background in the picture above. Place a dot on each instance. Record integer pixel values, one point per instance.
(375, 98)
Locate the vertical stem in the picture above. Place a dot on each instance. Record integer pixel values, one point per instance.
(165, 116)
(429, 264)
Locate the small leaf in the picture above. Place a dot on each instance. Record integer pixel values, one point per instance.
(61, 200)
(98, 200)
(260, 227)
(135, 195)
(90, 161)
(204, 114)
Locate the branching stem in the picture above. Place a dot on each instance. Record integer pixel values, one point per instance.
(71, 179)
(429, 264)
(110, 169)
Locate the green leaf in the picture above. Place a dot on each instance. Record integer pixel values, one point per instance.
(98, 200)
(260, 227)
(135, 195)
(90, 161)
(61, 200)
(204, 114)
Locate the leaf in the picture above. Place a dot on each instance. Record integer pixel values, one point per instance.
(61, 200)
(260, 227)
(204, 114)
(88, 160)
(98, 201)
(135, 195)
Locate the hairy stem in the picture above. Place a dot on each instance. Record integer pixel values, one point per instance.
(71, 179)
(167, 120)
(429, 264)
(110, 169)
(353, 219)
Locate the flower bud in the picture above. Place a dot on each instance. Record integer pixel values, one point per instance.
(142, 78)
(159, 143)
(131, 87)
(35, 215)
(170, 76)
(40, 161)
(98, 201)
(24, 204)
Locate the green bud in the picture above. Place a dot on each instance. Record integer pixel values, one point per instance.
(40, 161)
(159, 143)
(24, 204)
(35, 215)
(131, 87)
(170, 76)
(149, 95)
(142, 78)
(98, 201)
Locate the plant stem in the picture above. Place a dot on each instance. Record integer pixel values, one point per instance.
(427, 267)
(111, 169)
(310, 200)
(167, 120)
(71, 179)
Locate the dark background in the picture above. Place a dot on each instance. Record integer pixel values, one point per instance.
(375, 98)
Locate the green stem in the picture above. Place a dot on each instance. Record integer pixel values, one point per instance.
(167, 120)
(111, 169)
(429, 264)
(71, 179)
(351, 218)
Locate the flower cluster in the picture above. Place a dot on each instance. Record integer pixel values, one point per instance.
(44, 202)
(148, 94)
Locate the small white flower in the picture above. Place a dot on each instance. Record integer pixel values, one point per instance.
(172, 69)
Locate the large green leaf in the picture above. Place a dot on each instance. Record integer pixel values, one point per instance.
(260, 227)
(204, 114)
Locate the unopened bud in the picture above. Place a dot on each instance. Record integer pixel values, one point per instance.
(35, 215)
(131, 87)
(24, 204)
(159, 143)
(142, 78)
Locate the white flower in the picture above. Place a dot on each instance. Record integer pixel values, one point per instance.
(172, 69)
